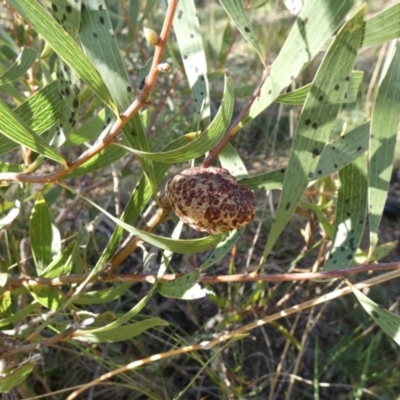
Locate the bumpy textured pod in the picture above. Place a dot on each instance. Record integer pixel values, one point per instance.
(210, 199)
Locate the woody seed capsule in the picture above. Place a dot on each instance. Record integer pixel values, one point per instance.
(210, 199)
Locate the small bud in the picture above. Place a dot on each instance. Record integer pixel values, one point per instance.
(150, 36)
(164, 67)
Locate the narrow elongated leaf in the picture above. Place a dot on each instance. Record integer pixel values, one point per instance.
(106, 157)
(388, 321)
(383, 26)
(102, 296)
(317, 21)
(89, 131)
(11, 215)
(384, 124)
(120, 333)
(222, 248)
(15, 129)
(187, 246)
(205, 141)
(64, 45)
(19, 316)
(335, 156)
(24, 61)
(69, 84)
(40, 233)
(3, 272)
(47, 296)
(230, 160)
(188, 35)
(179, 287)
(15, 377)
(316, 121)
(97, 38)
(298, 96)
(39, 112)
(235, 9)
(61, 265)
(350, 214)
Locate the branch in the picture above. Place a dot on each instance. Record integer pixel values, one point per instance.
(15, 282)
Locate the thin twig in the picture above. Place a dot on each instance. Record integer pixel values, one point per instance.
(14, 282)
(235, 126)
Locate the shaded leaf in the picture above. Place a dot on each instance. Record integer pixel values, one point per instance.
(102, 296)
(121, 333)
(388, 321)
(40, 233)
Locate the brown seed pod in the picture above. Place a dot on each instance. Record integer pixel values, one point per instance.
(210, 199)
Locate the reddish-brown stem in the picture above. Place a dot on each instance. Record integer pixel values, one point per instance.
(15, 282)
(235, 126)
(121, 121)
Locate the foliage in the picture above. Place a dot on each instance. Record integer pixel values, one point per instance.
(97, 110)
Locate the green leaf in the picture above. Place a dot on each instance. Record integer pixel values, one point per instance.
(335, 156)
(230, 160)
(205, 141)
(15, 129)
(388, 322)
(47, 296)
(106, 157)
(120, 333)
(221, 249)
(384, 124)
(12, 214)
(5, 300)
(350, 214)
(41, 110)
(188, 34)
(317, 21)
(383, 26)
(102, 296)
(97, 38)
(61, 265)
(64, 45)
(185, 287)
(3, 272)
(187, 246)
(235, 9)
(19, 316)
(316, 121)
(40, 233)
(16, 376)
(69, 84)
(88, 131)
(24, 61)
(298, 96)
(225, 45)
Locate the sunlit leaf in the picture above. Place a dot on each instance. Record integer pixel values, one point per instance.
(384, 125)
